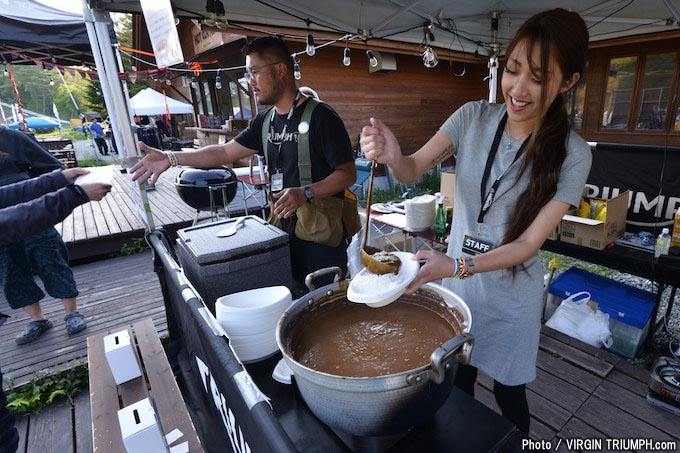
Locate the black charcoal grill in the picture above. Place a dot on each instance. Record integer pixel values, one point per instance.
(207, 189)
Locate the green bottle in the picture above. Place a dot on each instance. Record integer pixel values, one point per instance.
(440, 224)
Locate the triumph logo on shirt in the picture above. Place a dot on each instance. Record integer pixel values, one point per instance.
(281, 138)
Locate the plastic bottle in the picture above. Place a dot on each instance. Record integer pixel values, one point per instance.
(663, 243)
(440, 224)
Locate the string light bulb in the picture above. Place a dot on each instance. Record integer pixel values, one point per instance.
(134, 68)
(371, 58)
(51, 82)
(6, 72)
(310, 46)
(218, 81)
(168, 81)
(296, 71)
(346, 59)
(194, 82)
(430, 59)
(184, 81)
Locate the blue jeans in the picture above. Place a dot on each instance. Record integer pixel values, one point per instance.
(43, 253)
(9, 436)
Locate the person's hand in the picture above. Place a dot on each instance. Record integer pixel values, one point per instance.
(288, 201)
(150, 168)
(71, 174)
(437, 266)
(96, 190)
(379, 143)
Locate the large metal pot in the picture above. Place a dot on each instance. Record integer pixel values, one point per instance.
(197, 186)
(382, 405)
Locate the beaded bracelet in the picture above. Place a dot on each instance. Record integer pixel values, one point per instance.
(460, 268)
(172, 158)
(465, 267)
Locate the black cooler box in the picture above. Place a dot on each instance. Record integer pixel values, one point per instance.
(256, 256)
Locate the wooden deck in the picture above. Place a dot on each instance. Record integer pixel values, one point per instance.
(113, 292)
(101, 228)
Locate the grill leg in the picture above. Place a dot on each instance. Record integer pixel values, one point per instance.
(198, 212)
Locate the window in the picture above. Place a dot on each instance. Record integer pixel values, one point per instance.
(655, 91)
(620, 84)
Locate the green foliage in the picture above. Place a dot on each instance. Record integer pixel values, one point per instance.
(44, 390)
(138, 245)
(429, 183)
(95, 163)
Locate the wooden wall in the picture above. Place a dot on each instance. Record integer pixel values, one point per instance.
(413, 100)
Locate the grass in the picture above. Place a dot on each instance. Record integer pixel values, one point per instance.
(566, 262)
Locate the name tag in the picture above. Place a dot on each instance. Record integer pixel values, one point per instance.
(277, 182)
(475, 246)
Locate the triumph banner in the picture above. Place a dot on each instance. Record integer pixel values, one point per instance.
(652, 174)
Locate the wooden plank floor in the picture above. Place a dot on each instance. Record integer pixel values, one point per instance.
(101, 228)
(112, 292)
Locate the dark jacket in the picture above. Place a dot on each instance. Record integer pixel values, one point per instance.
(22, 157)
(34, 205)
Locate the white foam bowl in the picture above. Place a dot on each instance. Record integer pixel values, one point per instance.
(252, 348)
(380, 297)
(253, 311)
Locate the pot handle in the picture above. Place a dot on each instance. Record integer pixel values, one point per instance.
(316, 274)
(442, 357)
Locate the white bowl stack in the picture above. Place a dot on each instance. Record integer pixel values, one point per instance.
(249, 318)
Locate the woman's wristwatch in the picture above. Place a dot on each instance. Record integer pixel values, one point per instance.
(468, 268)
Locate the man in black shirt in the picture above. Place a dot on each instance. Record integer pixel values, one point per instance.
(269, 69)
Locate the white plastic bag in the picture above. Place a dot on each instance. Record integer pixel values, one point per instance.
(575, 318)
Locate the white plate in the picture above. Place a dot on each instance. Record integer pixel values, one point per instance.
(381, 208)
(407, 273)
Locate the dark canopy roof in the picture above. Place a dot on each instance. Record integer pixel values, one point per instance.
(31, 30)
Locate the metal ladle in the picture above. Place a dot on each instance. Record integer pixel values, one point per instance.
(391, 263)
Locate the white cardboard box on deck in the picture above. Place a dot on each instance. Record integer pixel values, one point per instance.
(122, 357)
(141, 431)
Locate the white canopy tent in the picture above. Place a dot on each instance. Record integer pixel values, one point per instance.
(151, 102)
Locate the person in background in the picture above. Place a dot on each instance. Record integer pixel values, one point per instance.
(28, 207)
(43, 253)
(98, 135)
(269, 66)
(534, 170)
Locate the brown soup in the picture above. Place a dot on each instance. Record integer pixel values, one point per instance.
(349, 339)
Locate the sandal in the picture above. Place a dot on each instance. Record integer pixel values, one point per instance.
(75, 322)
(32, 331)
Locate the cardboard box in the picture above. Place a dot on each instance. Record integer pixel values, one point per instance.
(597, 234)
(141, 431)
(447, 186)
(122, 357)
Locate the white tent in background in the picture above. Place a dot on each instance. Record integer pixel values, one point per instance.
(151, 102)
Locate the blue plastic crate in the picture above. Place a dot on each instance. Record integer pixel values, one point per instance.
(629, 308)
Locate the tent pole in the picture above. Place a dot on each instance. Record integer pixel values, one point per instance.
(116, 105)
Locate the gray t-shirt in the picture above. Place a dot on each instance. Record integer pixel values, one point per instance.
(506, 313)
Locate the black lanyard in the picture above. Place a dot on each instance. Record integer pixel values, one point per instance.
(283, 132)
(487, 200)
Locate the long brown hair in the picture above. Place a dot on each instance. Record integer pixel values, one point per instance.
(561, 35)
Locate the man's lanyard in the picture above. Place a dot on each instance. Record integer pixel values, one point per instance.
(283, 132)
(487, 200)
